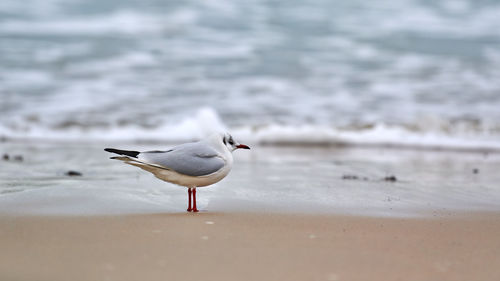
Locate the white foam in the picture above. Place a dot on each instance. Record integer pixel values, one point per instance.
(201, 124)
(24, 79)
(379, 135)
(412, 16)
(52, 54)
(206, 121)
(117, 63)
(120, 22)
(36, 7)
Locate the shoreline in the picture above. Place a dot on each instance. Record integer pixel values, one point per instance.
(265, 144)
(269, 179)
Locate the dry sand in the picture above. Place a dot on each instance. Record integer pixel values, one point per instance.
(243, 246)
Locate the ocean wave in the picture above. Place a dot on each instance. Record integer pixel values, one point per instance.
(379, 135)
(310, 73)
(206, 121)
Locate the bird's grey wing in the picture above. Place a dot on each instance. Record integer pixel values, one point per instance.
(192, 159)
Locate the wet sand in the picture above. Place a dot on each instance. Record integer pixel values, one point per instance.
(299, 180)
(283, 213)
(250, 246)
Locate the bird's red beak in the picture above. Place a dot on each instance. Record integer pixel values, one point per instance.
(242, 146)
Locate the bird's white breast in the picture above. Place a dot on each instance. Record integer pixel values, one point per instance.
(191, 181)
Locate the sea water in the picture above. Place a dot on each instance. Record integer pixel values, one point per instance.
(406, 72)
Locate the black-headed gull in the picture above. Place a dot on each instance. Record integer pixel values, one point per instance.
(190, 165)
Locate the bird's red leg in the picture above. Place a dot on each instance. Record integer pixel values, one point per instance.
(194, 201)
(189, 195)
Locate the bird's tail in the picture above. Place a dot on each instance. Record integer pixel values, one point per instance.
(130, 153)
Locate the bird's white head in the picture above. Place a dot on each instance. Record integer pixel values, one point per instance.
(230, 143)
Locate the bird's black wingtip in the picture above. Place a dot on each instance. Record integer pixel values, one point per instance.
(123, 152)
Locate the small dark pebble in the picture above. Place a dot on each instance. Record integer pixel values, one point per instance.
(5, 157)
(73, 173)
(390, 178)
(350, 177)
(475, 171)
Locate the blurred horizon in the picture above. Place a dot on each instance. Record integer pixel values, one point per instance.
(398, 72)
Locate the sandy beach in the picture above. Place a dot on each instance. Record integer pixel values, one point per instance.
(242, 246)
(290, 213)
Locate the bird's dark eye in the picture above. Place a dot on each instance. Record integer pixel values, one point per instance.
(231, 142)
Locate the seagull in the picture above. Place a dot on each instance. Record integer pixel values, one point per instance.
(191, 165)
